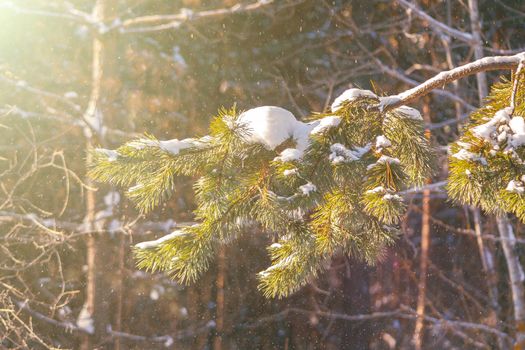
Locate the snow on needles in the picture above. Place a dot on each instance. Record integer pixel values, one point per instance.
(271, 126)
(515, 186)
(351, 95)
(268, 125)
(157, 242)
(409, 112)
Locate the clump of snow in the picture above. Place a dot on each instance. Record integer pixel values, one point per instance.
(387, 159)
(382, 142)
(325, 124)
(390, 196)
(289, 154)
(268, 125)
(468, 172)
(110, 154)
(378, 189)
(517, 125)
(289, 172)
(156, 292)
(386, 101)
(157, 242)
(177, 57)
(383, 159)
(307, 188)
(502, 130)
(464, 145)
(85, 322)
(276, 245)
(409, 112)
(175, 146)
(463, 154)
(516, 186)
(168, 342)
(112, 199)
(271, 126)
(351, 95)
(71, 95)
(341, 154)
(488, 131)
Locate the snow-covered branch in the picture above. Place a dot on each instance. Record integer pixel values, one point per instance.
(435, 24)
(445, 77)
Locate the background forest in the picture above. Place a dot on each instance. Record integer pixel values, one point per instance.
(67, 275)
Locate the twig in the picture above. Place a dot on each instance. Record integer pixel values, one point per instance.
(435, 24)
(163, 22)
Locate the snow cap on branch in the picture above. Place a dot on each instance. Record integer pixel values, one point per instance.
(351, 95)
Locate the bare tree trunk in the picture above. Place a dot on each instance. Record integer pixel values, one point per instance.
(119, 288)
(90, 115)
(99, 246)
(219, 318)
(516, 277)
(478, 46)
(485, 252)
(423, 262)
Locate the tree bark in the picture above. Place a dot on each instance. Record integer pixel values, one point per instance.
(423, 262)
(219, 317)
(516, 277)
(100, 255)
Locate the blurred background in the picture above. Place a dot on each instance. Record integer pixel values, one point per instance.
(76, 74)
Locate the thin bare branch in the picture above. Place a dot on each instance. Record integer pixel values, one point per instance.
(435, 24)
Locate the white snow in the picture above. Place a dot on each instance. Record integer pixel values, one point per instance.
(351, 95)
(307, 188)
(463, 154)
(487, 131)
(169, 341)
(517, 125)
(157, 242)
(464, 145)
(271, 126)
(289, 172)
(382, 142)
(177, 57)
(84, 320)
(409, 112)
(468, 172)
(379, 189)
(325, 124)
(175, 146)
(71, 95)
(112, 199)
(516, 186)
(387, 159)
(389, 197)
(268, 125)
(110, 154)
(289, 154)
(156, 292)
(387, 101)
(276, 245)
(341, 154)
